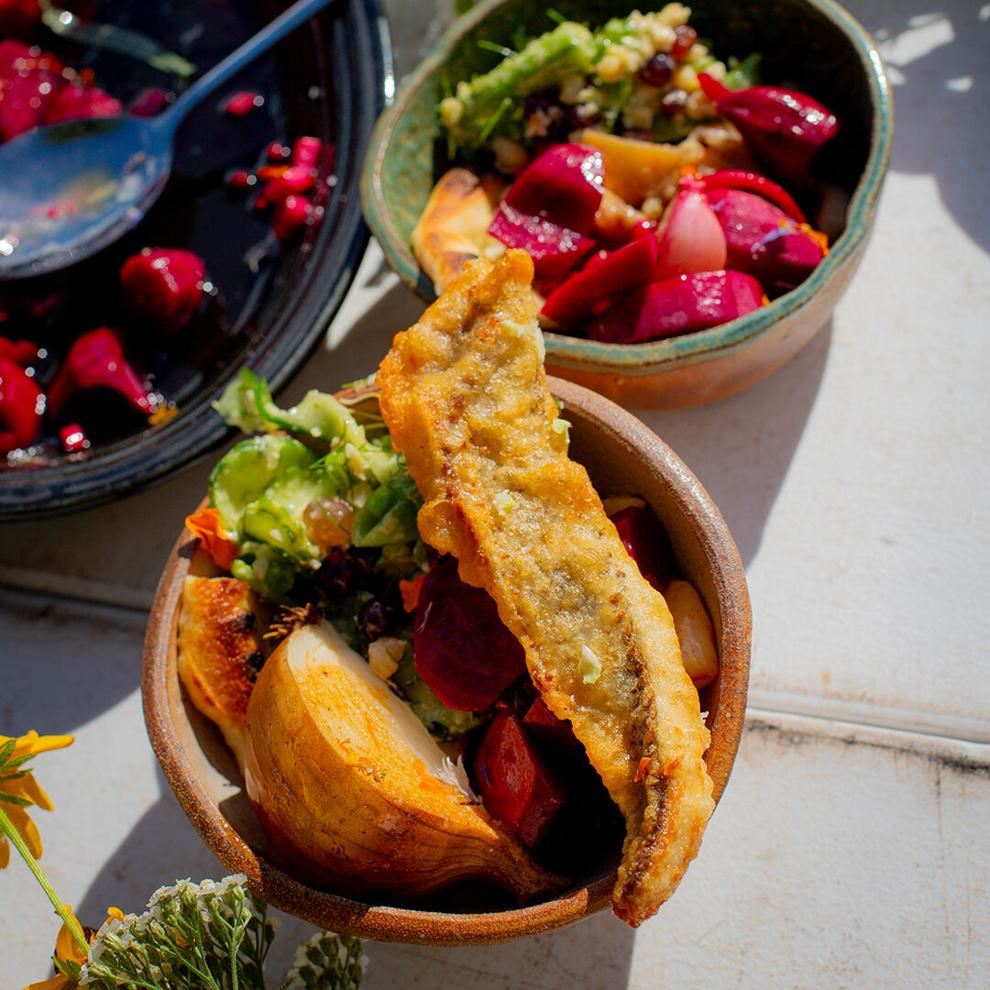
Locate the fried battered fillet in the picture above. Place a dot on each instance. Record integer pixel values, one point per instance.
(219, 652)
(465, 398)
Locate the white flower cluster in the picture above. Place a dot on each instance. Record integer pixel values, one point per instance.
(327, 962)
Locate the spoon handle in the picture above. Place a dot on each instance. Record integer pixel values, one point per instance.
(286, 22)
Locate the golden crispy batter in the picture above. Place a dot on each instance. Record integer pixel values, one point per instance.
(454, 226)
(465, 398)
(219, 652)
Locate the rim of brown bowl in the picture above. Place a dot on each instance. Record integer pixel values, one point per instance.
(706, 552)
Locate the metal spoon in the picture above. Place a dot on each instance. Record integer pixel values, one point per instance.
(69, 190)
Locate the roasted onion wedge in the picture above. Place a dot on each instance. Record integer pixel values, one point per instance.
(465, 398)
(352, 789)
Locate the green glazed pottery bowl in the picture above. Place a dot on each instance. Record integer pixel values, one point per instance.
(814, 45)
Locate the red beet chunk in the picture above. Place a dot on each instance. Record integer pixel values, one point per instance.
(646, 542)
(462, 650)
(555, 250)
(545, 727)
(763, 240)
(606, 275)
(564, 185)
(163, 286)
(781, 127)
(515, 785)
(678, 305)
(80, 102)
(737, 178)
(21, 405)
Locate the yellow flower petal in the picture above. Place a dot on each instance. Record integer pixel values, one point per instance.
(55, 983)
(29, 788)
(66, 948)
(33, 743)
(114, 914)
(29, 831)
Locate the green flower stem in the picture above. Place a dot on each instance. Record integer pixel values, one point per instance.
(7, 828)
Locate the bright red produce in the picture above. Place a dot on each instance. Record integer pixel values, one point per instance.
(764, 241)
(150, 102)
(242, 103)
(306, 151)
(75, 102)
(163, 286)
(691, 238)
(96, 360)
(555, 250)
(782, 127)
(646, 542)
(291, 216)
(21, 406)
(22, 352)
(293, 180)
(26, 99)
(462, 650)
(73, 438)
(605, 275)
(543, 725)
(678, 305)
(564, 185)
(737, 178)
(515, 786)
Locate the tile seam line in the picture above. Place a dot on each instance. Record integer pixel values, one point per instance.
(821, 710)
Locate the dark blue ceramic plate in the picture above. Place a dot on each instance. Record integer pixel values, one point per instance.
(330, 80)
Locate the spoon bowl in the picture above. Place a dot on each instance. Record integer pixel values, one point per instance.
(71, 189)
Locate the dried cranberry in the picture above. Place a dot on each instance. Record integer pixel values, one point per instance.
(341, 573)
(658, 71)
(686, 39)
(375, 618)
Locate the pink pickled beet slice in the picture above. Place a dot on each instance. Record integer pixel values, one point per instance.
(516, 786)
(691, 238)
(96, 360)
(763, 240)
(73, 438)
(461, 648)
(150, 102)
(21, 405)
(738, 178)
(555, 250)
(564, 185)
(307, 151)
(678, 305)
(241, 103)
(163, 286)
(76, 102)
(783, 128)
(576, 300)
(26, 100)
(14, 57)
(291, 215)
(646, 542)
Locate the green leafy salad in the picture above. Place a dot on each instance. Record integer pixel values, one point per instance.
(322, 512)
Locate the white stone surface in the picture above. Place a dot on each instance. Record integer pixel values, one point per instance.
(850, 849)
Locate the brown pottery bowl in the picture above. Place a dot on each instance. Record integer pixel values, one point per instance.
(623, 457)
